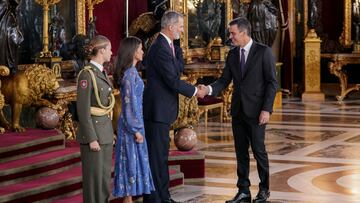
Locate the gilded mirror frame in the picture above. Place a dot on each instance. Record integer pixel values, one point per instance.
(80, 17)
(345, 38)
(181, 6)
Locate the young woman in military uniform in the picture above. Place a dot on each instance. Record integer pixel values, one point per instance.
(95, 133)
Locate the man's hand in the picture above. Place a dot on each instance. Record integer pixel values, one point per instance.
(264, 117)
(139, 138)
(202, 91)
(94, 146)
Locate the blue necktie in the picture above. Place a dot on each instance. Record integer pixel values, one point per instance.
(242, 62)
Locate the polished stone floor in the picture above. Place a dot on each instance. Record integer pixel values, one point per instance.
(314, 152)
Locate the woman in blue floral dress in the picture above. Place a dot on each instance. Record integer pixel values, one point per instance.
(132, 170)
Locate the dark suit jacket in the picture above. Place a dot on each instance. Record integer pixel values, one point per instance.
(256, 90)
(93, 127)
(163, 84)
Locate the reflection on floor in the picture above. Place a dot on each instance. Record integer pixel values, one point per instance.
(314, 152)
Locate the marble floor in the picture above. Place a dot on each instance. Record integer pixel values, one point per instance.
(314, 153)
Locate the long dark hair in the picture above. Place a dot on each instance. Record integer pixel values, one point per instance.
(125, 57)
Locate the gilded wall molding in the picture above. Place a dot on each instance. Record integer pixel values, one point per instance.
(345, 38)
(80, 17)
(91, 4)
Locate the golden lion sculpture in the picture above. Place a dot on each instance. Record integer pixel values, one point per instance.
(26, 88)
(4, 71)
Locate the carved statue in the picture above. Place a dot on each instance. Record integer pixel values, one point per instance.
(75, 50)
(57, 34)
(92, 28)
(10, 35)
(26, 88)
(313, 14)
(262, 15)
(240, 9)
(189, 113)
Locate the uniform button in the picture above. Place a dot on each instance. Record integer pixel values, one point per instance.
(101, 89)
(109, 88)
(96, 121)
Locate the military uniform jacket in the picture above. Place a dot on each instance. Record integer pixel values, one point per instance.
(93, 127)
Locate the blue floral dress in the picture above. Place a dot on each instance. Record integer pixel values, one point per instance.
(132, 170)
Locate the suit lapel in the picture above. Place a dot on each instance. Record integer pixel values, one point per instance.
(250, 59)
(236, 62)
(165, 43)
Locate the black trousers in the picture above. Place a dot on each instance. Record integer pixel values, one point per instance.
(247, 132)
(158, 141)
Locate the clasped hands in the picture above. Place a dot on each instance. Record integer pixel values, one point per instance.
(202, 91)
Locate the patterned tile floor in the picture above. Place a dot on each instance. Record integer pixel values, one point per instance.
(314, 152)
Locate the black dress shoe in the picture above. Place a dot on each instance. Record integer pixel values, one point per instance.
(169, 201)
(240, 197)
(262, 196)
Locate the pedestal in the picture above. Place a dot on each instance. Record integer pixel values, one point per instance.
(312, 68)
(52, 62)
(278, 100)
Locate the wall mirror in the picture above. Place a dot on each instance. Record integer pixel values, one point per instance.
(203, 21)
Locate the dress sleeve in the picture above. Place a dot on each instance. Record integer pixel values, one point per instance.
(132, 112)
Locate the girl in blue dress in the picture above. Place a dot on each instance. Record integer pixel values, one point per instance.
(132, 170)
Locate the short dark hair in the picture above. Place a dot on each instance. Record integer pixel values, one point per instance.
(243, 24)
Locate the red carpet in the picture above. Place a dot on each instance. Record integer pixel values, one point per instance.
(38, 165)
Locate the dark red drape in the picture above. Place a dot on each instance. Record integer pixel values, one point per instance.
(110, 18)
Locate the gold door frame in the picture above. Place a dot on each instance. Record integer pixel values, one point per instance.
(181, 7)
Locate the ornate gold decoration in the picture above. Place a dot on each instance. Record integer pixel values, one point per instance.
(196, 71)
(4, 71)
(91, 4)
(345, 37)
(46, 4)
(27, 87)
(80, 17)
(335, 67)
(188, 110)
(312, 68)
(188, 113)
(63, 96)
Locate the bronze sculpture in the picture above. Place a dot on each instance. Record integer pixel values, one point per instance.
(263, 17)
(10, 35)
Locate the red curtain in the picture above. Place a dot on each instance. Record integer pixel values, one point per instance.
(110, 18)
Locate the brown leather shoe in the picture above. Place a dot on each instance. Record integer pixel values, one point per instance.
(240, 197)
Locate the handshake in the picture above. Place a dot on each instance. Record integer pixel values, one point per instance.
(202, 91)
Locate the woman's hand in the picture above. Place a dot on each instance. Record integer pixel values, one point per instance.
(94, 146)
(139, 138)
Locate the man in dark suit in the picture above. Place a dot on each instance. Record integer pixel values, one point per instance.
(251, 67)
(164, 65)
